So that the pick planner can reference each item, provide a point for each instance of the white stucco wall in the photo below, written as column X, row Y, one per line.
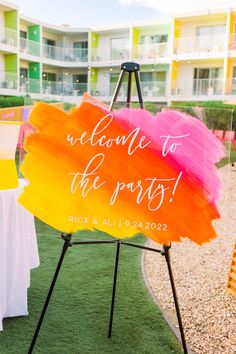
column 23, row 27
column 189, row 29
column 57, row 38
column 2, row 62
column 24, row 64
column 103, row 84
column 69, row 40
column 104, row 43
column 2, row 21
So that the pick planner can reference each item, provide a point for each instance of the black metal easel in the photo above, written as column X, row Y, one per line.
column 130, row 68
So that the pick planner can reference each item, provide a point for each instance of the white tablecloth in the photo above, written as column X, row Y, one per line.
column 18, row 253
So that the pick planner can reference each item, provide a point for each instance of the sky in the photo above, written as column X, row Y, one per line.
column 87, row 13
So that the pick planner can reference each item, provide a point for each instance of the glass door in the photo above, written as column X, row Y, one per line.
column 207, row 81
column 80, row 50
column 119, row 48
column 79, row 84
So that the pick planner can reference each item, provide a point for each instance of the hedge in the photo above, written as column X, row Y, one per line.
column 216, row 114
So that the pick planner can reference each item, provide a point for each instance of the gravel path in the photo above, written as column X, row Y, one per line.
column 208, row 311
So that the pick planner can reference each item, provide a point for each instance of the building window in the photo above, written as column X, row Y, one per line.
column 80, row 78
column 153, row 83
column 49, row 50
column 49, row 76
column 79, row 84
column 50, row 42
column 153, row 76
column 80, row 45
column 23, row 34
column 207, row 81
column 234, row 72
column 233, row 83
column 208, row 73
column 80, row 50
column 23, row 73
column 210, row 30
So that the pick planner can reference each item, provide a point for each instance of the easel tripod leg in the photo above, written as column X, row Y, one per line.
column 67, row 239
column 167, row 257
column 114, row 287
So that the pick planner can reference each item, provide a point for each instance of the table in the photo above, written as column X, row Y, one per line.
column 18, row 253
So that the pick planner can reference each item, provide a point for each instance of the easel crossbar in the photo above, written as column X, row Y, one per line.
column 131, row 244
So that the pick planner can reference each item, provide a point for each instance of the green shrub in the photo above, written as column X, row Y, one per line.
column 15, row 101
column 68, row 106
column 216, row 114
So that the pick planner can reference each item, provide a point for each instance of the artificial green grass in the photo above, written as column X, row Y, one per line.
column 228, row 159
column 78, row 316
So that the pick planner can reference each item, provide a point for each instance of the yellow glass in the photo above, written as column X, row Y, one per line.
column 9, row 132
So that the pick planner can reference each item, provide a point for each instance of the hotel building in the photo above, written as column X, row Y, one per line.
column 189, row 57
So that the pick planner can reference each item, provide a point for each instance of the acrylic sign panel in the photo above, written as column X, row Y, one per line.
column 123, row 172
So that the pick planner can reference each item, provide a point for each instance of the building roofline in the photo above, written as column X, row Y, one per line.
column 60, row 28
column 206, row 12
column 9, row 5
column 158, row 21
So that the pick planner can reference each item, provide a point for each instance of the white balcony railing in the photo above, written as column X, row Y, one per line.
column 149, row 89
column 200, row 45
column 65, row 54
column 8, row 36
column 53, row 52
column 75, row 54
column 120, row 53
column 29, row 47
column 200, row 87
column 115, row 54
column 64, row 89
column 29, row 85
column 151, row 51
column 8, row 80
column 153, row 89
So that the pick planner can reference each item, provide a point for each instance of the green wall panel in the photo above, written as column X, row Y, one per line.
column 11, row 19
column 11, row 63
column 34, row 70
column 34, row 77
column 136, row 33
column 94, row 40
column 34, row 33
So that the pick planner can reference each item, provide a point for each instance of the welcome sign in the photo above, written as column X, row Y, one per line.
column 122, row 172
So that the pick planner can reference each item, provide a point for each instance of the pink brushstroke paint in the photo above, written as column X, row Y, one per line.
column 197, row 155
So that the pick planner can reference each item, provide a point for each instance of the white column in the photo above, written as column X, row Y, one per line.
column 226, row 51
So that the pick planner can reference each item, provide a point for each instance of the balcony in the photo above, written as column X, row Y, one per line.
column 29, row 47
column 118, row 54
column 53, row 52
column 149, row 90
column 63, row 89
column 72, row 55
column 152, row 51
column 29, row 85
column 8, row 37
column 75, row 55
column 8, row 80
column 202, row 45
column 153, row 89
column 201, row 87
